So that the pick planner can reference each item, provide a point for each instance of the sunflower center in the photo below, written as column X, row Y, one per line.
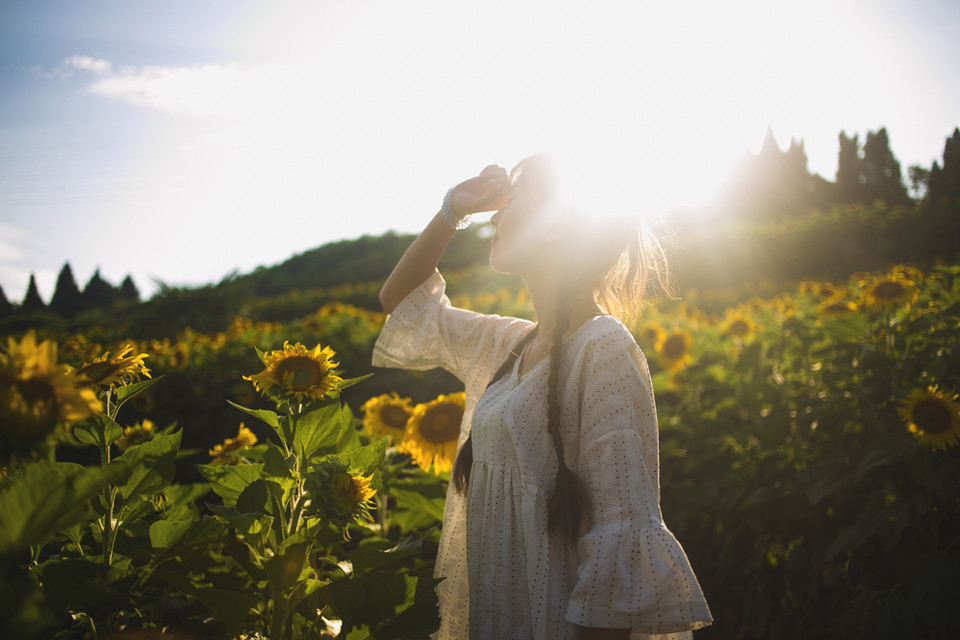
column 674, row 347
column 739, row 328
column 306, row 372
column 889, row 290
column 441, row 424
column 931, row 416
column 394, row 417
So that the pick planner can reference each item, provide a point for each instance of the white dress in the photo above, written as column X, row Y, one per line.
column 506, row 576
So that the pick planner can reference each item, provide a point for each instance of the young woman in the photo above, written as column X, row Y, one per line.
column 552, row 528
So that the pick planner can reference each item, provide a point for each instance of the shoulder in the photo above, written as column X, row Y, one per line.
column 606, row 334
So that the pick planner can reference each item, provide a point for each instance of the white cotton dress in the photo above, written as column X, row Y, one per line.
column 506, row 576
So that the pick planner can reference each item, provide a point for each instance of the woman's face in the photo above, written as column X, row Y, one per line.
column 514, row 243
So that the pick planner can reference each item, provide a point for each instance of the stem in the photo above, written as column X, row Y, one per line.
column 109, row 494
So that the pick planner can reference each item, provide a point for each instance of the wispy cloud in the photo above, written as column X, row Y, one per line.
column 85, row 64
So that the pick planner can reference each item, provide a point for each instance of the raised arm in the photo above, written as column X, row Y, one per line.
column 485, row 192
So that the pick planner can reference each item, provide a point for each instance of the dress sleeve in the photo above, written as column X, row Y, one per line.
column 425, row 332
column 632, row 572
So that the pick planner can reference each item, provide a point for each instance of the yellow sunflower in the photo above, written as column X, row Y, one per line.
column 137, row 434
column 738, row 325
column 224, row 453
column 432, row 432
column 933, row 417
column 387, row 415
column 888, row 292
column 652, row 334
column 354, row 490
column 674, row 351
column 36, row 393
column 836, row 307
column 120, row 370
column 300, row 374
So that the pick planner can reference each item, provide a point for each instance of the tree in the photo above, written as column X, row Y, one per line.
column 129, row 291
column 881, row 170
column 32, row 301
column 66, row 298
column 850, row 179
column 98, row 292
column 5, row 306
column 944, row 182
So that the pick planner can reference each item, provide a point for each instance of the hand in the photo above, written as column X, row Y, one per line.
column 488, row 191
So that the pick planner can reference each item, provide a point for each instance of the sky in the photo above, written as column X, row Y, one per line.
column 179, row 141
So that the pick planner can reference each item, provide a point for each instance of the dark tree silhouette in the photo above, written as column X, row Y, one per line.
column 128, row 290
column 66, row 298
column 98, row 293
column 32, row 301
column 944, row 182
column 850, row 178
column 6, row 307
column 881, row 170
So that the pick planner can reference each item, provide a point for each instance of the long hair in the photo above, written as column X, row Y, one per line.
column 613, row 262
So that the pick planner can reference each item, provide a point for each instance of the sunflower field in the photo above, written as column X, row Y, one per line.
column 238, row 484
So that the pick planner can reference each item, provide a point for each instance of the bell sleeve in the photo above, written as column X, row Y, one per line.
column 632, row 572
column 425, row 332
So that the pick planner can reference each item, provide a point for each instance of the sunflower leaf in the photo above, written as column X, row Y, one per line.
column 152, row 465
column 267, row 417
column 127, row 392
column 101, row 431
column 229, row 481
column 316, row 429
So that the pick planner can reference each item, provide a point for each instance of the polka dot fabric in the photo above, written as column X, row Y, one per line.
column 505, row 575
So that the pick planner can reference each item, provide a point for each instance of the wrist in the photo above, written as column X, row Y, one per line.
column 451, row 218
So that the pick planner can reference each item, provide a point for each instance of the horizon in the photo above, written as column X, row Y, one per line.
column 180, row 143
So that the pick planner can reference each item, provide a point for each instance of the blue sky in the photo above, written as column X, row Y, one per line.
column 178, row 141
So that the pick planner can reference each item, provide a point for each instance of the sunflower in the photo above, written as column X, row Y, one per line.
column 888, row 292
column 354, row 490
column 738, row 325
column 836, row 307
column 674, row 351
column 432, row 432
column 224, row 453
column 652, row 334
column 932, row 416
column 36, row 393
column 387, row 415
column 301, row 374
column 122, row 369
column 137, row 434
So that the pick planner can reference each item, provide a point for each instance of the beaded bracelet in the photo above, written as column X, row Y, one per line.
column 446, row 210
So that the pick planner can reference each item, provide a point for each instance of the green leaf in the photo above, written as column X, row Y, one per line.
column 43, row 499
column 231, row 607
column 152, row 465
column 166, row 534
column 285, row 569
column 851, row 328
column 367, row 460
column 229, row 481
column 316, row 429
column 129, row 391
column 100, row 431
column 254, row 498
column 376, row 553
column 268, row 417
column 349, row 432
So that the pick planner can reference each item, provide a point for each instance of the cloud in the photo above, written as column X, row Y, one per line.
column 86, row 64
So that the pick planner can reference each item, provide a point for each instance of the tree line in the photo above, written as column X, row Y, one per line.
column 68, row 299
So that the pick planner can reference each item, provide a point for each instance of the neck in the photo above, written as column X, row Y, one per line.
column 544, row 294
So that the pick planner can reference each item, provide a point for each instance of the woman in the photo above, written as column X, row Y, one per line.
column 552, row 528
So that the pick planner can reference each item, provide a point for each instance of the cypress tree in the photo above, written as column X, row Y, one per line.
column 944, row 182
column 98, row 292
column 881, row 170
column 66, row 298
column 850, row 178
column 128, row 290
column 6, row 308
column 32, row 301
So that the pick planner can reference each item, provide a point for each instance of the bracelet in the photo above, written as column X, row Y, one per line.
column 446, row 210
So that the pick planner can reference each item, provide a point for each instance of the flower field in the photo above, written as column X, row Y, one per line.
column 241, row 483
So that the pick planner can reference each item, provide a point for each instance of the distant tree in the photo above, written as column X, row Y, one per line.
column 32, row 301
column 98, row 293
column 881, row 170
column 944, row 182
column 128, row 290
column 6, row 308
column 919, row 180
column 850, row 177
column 66, row 298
